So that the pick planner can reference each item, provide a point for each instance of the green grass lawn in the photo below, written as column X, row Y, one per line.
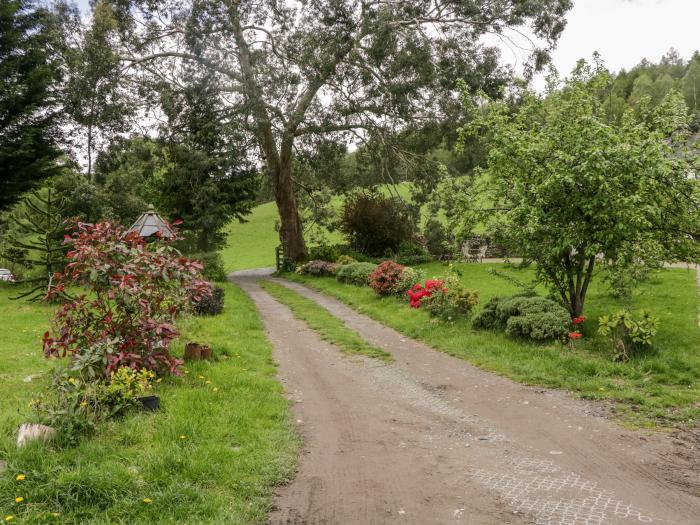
column 661, row 386
column 329, row 327
column 212, row 455
column 252, row 244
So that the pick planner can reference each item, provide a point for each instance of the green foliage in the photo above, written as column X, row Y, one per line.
column 355, row 273
column 324, row 252
column 450, row 301
column 318, row 269
column 213, row 265
column 375, row 225
column 344, row 260
column 572, row 190
column 127, row 385
column 646, row 85
column 409, row 276
column 627, row 333
column 211, row 305
column 539, row 326
column 528, row 317
column 30, row 71
column 436, row 238
column 37, row 241
column 487, row 318
column 95, row 96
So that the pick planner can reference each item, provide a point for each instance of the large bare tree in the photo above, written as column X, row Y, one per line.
column 292, row 70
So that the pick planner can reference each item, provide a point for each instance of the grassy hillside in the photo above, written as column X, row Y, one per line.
column 252, row 244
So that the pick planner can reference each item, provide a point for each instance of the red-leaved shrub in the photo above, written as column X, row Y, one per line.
column 133, row 292
column 385, row 279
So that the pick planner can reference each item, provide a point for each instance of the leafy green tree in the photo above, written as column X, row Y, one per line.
column 572, row 191
column 292, row 72
column 29, row 74
column 691, row 85
column 94, row 95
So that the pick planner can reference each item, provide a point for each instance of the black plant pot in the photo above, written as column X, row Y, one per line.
column 150, row 403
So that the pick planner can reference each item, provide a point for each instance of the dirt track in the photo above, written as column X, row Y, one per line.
column 432, row 439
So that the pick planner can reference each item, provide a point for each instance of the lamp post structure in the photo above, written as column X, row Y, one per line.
column 150, row 224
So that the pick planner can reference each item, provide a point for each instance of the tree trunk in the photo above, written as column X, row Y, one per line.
column 91, row 176
column 291, row 231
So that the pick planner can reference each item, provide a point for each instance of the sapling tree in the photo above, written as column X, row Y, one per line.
column 572, row 191
column 36, row 241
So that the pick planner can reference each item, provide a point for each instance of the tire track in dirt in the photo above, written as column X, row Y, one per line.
column 542, row 456
column 378, row 448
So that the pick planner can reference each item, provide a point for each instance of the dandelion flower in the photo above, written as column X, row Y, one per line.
column 55, row 514
column 208, row 382
column 215, row 389
column 183, row 437
column 159, row 380
column 20, row 477
column 147, row 500
column 200, row 377
column 19, row 499
column 9, row 518
column 83, row 404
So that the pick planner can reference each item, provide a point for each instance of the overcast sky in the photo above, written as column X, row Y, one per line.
column 626, row 31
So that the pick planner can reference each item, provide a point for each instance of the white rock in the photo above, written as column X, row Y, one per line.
column 34, row 431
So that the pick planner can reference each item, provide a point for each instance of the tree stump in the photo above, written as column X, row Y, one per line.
column 193, row 352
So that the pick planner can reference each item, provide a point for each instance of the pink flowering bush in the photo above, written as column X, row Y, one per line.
column 385, row 279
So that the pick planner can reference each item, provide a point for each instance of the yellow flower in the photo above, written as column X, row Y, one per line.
column 215, row 389
column 20, row 477
column 200, row 377
column 159, row 380
column 9, row 518
column 183, row 437
column 71, row 380
column 55, row 514
column 83, row 404
column 208, row 382
column 19, row 499
column 147, row 500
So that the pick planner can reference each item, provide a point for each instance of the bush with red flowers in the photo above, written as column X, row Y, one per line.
column 419, row 292
column 134, row 291
column 386, row 278
column 576, row 334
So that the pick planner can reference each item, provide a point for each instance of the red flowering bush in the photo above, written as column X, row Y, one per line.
column 386, row 278
column 444, row 298
column 420, row 292
column 576, row 321
column 133, row 293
